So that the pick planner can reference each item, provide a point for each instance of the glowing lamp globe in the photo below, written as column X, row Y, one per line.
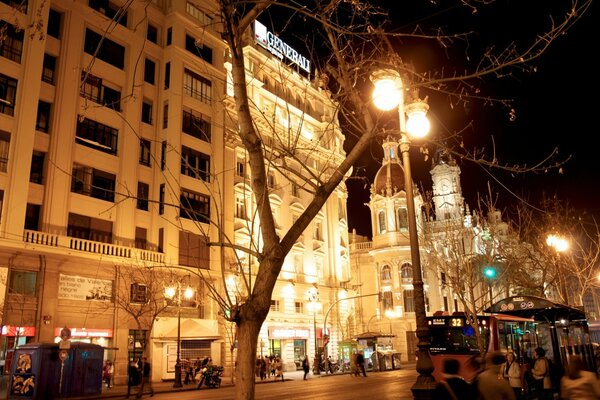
column 417, row 124
column 388, row 90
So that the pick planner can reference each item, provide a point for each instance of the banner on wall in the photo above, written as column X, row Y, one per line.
column 74, row 287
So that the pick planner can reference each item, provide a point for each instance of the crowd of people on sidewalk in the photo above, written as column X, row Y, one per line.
column 139, row 373
column 501, row 377
column 270, row 366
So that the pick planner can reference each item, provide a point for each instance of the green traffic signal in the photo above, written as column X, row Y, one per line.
column 489, row 272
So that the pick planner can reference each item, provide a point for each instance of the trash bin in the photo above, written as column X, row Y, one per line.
column 43, row 371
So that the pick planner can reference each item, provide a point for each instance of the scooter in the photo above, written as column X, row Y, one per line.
column 211, row 376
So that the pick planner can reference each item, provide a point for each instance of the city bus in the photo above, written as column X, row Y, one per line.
column 518, row 323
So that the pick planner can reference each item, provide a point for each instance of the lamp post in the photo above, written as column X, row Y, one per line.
column 560, row 245
column 314, row 304
column 174, row 293
column 389, row 94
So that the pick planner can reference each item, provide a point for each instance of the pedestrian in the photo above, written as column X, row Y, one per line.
column 360, row 362
column 353, row 364
column 490, row 385
column 278, row 369
column 186, row 367
column 541, row 375
column 305, row 366
column 453, row 386
column 511, row 371
column 107, row 372
column 133, row 376
column 146, row 382
column 579, row 384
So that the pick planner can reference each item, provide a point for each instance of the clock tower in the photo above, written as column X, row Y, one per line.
column 447, row 192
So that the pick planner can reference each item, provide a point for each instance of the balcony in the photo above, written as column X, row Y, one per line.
column 91, row 247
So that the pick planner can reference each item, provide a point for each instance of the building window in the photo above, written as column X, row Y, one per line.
column 402, row 219
column 270, row 181
column 406, row 273
column 109, row 51
column 169, row 36
column 294, row 190
column 409, row 300
column 93, row 88
column 194, row 206
column 197, row 125
column 147, row 112
column 141, row 241
column 388, row 300
column 195, row 164
column 204, row 19
column 54, row 22
column 4, row 150
column 8, row 94
column 88, row 228
column 97, row 136
column 342, row 209
column 274, row 305
column 36, row 174
column 240, row 207
column 1, row 202
column 145, row 154
column 43, row 117
column 110, row 10
column 22, row 282
column 193, row 250
column 149, row 71
column 143, row 190
column 163, row 155
column 138, row 293
column 386, row 273
column 197, row 86
column 49, row 69
column 161, row 201
column 93, row 182
column 299, row 306
column 152, row 34
column 167, row 75
column 11, row 43
column 240, row 169
column 165, row 115
column 318, row 230
column 201, row 50
column 137, row 340
column 32, row 217
column 19, row 5
column 381, row 221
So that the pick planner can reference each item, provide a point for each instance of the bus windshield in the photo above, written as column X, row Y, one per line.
column 456, row 335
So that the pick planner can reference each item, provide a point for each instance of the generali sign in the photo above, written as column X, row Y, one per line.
column 278, row 47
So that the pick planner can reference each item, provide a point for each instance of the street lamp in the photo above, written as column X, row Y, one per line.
column 560, row 245
column 315, row 305
column 174, row 292
column 389, row 94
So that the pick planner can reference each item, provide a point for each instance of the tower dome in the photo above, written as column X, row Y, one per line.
column 390, row 177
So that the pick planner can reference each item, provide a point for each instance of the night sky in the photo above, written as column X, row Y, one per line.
column 552, row 107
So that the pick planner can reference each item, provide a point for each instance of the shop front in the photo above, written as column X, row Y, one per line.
column 378, row 350
column 290, row 344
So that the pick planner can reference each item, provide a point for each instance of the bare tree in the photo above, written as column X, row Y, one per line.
column 354, row 37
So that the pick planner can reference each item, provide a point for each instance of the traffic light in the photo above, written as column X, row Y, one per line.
column 489, row 272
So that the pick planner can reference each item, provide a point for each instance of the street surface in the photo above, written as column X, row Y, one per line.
column 389, row 385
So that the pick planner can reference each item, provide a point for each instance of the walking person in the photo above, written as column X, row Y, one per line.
column 579, row 384
column 107, row 372
column 146, row 382
column 278, row 369
column 453, row 386
column 541, row 375
column 353, row 364
column 511, row 371
column 490, row 385
column 133, row 376
column 305, row 366
column 360, row 362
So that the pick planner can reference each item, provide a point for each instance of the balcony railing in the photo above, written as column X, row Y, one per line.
column 91, row 247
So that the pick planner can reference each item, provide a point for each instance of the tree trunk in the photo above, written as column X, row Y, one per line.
column 248, row 330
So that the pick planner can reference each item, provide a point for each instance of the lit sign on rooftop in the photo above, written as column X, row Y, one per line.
column 278, row 47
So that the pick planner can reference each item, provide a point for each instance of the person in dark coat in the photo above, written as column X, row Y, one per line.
column 453, row 387
column 146, row 385
column 133, row 376
column 305, row 366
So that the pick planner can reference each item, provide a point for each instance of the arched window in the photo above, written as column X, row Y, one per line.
column 402, row 219
column 406, row 273
column 386, row 273
column 381, row 219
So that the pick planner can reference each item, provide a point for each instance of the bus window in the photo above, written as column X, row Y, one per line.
column 456, row 337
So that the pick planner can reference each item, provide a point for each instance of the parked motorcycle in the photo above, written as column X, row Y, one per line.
column 211, row 376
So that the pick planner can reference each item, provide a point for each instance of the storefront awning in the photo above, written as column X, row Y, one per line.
column 196, row 329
